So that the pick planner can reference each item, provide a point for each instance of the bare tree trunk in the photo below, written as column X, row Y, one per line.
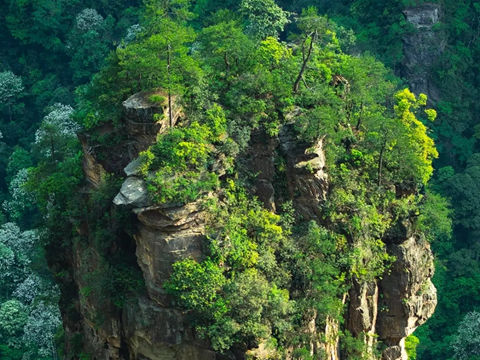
column 227, row 63
column 170, row 115
column 380, row 161
column 359, row 120
column 306, row 59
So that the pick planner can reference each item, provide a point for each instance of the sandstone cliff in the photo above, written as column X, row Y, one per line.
column 148, row 327
column 422, row 47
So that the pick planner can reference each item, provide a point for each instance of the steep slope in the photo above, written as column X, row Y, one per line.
column 148, row 327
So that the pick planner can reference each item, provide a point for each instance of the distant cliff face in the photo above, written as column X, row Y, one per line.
column 422, row 47
column 149, row 327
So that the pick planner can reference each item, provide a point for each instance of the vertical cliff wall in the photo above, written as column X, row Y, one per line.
column 422, row 47
column 148, row 326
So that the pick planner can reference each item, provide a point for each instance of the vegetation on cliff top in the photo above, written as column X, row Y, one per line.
column 267, row 276
column 238, row 72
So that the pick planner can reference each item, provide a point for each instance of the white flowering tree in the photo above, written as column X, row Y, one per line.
column 132, row 33
column 466, row 345
column 56, row 131
column 18, row 247
column 29, row 314
column 88, row 43
column 39, row 331
column 88, row 19
column 11, row 86
column 30, row 288
column 21, row 200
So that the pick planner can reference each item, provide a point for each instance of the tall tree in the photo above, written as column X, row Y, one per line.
column 161, row 59
column 264, row 18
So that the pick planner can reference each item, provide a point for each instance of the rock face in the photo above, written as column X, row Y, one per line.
column 166, row 235
column 306, row 175
column 262, row 163
column 94, row 172
column 133, row 192
column 396, row 305
column 409, row 296
column 146, row 328
column 149, row 328
column 422, row 48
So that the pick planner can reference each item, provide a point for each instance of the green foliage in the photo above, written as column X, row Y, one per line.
column 53, row 184
column 353, row 347
column 13, row 316
column 100, row 101
column 261, row 280
column 160, row 60
column 265, row 17
column 157, row 99
column 19, row 159
column 9, row 353
column 466, row 342
column 235, row 299
column 435, row 218
column 88, row 43
column 197, row 286
column 322, row 270
column 420, row 143
column 176, row 167
column 168, row 186
column 225, row 48
column 411, row 343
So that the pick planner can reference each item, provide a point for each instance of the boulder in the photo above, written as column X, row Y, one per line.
column 133, row 192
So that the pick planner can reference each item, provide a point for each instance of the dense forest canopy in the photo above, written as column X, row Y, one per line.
column 331, row 75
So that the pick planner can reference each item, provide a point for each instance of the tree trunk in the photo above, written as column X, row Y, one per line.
column 170, row 115
column 306, row 59
column 380, row 162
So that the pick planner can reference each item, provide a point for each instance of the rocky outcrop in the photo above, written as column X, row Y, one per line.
column 133, row 192
column 155, row 332
column 148, row 327
column 94, row 172
column 408, row 296
column 422, row 47
column 261, row 161
column 145, row 116
column 142, row 108
column 306, row 175
column 363, row 311
column 394, row 306
column 167, row 234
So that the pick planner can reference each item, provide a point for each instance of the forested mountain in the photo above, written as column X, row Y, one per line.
column 250, row 179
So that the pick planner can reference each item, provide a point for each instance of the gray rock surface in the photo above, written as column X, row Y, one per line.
column 133, row 168
column 408, row 296
column 133, row 192
column 145, row 119
column 422, row 48
column 424, row 16
column 394, row 306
